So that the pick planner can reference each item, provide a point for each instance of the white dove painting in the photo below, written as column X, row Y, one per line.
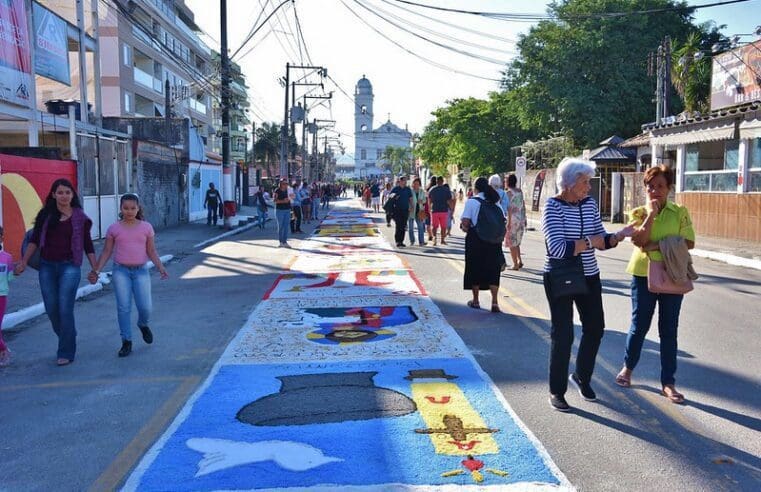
column 221, row 454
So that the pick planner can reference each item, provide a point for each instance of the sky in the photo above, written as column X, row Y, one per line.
column 406, row 88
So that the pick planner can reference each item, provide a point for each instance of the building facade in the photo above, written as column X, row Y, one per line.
column 369, row 143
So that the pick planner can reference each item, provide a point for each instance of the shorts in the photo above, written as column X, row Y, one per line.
column 439, row 220
column 375, row 200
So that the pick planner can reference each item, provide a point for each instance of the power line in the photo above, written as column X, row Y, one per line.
column 301, row 34
column 436, row 43
column 253, row 33
column 420, row 57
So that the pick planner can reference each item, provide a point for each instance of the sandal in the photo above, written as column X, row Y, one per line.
column 495, row 308
column 670, row 392
column 623, row 380
column 474, row 305
column 64, row 362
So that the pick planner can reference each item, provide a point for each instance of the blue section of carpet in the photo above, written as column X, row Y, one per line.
column 376, row 451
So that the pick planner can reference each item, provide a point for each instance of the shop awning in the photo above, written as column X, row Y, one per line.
column 750, row 129
column 724, row 132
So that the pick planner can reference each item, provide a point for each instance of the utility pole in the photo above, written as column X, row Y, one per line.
column 305, row 167
column 284, row 166
column 659, row 86
column 227, row 181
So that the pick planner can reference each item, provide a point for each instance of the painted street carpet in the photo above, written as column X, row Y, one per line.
column 346, row 379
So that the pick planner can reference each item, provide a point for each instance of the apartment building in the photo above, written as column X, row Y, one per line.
column 144, row 43
column 239, row 114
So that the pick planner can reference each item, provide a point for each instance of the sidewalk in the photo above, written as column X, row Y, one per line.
column 175, row 241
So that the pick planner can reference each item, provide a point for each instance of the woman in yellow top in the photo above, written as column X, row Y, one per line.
column 659, row 219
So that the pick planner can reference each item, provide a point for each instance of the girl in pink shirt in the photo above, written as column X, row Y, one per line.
column 6, row 275
column 131, row 242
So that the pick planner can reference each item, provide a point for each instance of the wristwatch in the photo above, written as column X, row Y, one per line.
column 588, row 241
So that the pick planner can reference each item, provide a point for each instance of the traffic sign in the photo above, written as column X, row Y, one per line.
column 520, row 166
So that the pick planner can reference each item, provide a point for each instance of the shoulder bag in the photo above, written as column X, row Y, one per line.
column 659, row 282
column 566, row 275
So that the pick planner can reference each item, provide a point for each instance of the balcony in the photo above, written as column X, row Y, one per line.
column 148, row 80
column 196, row 105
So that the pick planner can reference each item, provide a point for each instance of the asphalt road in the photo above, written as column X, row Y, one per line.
column 85, row 426
column 630, row 439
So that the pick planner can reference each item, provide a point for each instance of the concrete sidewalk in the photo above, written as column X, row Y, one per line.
column 173, row 241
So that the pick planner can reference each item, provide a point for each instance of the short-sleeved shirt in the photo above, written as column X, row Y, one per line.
column 471, row 209
column 130, row 242
column 404, row 195
column 440, row 196
column 296, row 201
column 212, row 196
column 673, row 220
column 6, row 272
column 282, row 195
column 375, row 190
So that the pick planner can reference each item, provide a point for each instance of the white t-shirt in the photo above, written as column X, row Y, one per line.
column 471, row 209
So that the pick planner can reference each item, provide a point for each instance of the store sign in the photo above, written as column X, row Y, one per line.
column 736, row 77
column 51, row 57
column 537, row 194
column 15, row 60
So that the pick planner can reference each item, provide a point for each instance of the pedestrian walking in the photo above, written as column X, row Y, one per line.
column 440, row 197
column 282, row 212
column 315, row 196
column 211, row 204
column 417, row 213
column 384, row 198
column 429, row 213
column 572, row 232
column 6, row 275
column 483, row 244
column 401, row 195
column 658, row 220
column 261, row 207
column 62, row 234
column 296, row 197
column 516, row 221
column 306, row 202
column 131, row 241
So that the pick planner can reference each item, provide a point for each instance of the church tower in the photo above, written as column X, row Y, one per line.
column 363, row 107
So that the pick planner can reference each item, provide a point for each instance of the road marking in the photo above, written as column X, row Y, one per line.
column 92, row 382
column 125, row 461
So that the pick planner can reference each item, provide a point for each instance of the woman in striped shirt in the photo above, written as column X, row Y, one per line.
column 572, row 231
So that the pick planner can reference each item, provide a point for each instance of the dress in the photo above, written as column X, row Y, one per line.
column 482, row 260
column 517, row 213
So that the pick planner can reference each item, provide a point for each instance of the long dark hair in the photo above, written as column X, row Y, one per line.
column 482, row 186
column 132, row 197
column 431, row 183
column 512, row 180
column 50, row 210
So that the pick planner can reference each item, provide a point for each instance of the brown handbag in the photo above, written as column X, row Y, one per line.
column 659, row 282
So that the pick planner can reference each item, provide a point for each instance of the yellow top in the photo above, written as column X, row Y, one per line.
column 673, row 220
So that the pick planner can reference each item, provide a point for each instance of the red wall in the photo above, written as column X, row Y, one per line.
column 26, row 182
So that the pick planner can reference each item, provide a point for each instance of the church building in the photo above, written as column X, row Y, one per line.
column 369, row 143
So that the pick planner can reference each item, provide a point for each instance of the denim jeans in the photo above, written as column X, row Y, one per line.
column 296, row 222
column 59, row 281
column 411, row 222
column 643, row 308
column 592, row 328
column 131, row 282
column 283, row 224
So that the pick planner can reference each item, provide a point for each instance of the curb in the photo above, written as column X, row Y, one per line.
column 25, row 314
column 233, row 232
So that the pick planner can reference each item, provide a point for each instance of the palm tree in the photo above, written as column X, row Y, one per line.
column 691, row 70
column 397, row 158
column 267, row 147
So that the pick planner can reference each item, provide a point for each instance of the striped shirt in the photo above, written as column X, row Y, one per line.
column 564, row 223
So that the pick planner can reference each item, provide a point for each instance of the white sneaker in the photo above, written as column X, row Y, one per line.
column 286, row 245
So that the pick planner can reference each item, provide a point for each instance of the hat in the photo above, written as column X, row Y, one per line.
column 402, row 177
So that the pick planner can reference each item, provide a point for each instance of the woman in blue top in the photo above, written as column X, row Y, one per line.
column 572, row 228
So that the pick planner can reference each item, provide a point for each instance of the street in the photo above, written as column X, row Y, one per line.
column 86, row 426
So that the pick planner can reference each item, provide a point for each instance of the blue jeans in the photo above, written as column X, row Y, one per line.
column 59, row 281
column 643, row 308
column 131, row 282
column 420, row 230
column 261, row 218
column 283, row 224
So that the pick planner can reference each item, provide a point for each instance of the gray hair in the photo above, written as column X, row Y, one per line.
column 495, row 181
column 570, row 169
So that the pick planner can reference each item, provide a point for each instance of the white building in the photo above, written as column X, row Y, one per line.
column 370, row 144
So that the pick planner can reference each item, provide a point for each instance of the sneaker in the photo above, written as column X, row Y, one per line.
column 286, row 245
column 126, row 348
column 147, row 335
column 558, row 403
column 399, row 245
column 5, row 357
column 585, row 389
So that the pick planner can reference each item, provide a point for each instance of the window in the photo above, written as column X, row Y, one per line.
column 711, row 166
column 127, row 54
column 127, row 102
column 754, row 164
column 364, row 109
column 363, row 154
column 363, row 128
column 379, row 154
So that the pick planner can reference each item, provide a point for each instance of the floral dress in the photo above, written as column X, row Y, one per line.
column 516, row 212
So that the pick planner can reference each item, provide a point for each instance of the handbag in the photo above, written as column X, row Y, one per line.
column 659, row 281
column 567, row 277
column 34, row 260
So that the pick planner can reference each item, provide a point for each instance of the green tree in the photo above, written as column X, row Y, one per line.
column 397, row 159
column 267, row 147
column 585, row 74
column 691, row 68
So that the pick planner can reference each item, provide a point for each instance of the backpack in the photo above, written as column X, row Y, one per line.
column 491, row 223
column 34, row 261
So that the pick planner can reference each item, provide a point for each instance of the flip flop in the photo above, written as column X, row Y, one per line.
column 623, row 381
column 64, row 362
column 495, row 308
column 474, row 305
column 673, row 395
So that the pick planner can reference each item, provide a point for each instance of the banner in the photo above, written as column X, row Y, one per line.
column 736, row 77
column 537, row 195
column 15, row 60
column 52, row 52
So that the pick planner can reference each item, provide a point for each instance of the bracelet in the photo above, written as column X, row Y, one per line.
column 588, row 242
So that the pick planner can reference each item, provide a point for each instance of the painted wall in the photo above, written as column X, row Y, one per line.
column 207, row 173
column 156, row 179
column 26, row 182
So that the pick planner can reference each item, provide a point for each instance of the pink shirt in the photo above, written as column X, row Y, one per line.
column 130, row 242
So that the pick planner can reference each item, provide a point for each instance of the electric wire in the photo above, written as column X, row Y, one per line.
column 253, row 33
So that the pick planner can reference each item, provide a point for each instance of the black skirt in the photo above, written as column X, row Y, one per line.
column 483, row 262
